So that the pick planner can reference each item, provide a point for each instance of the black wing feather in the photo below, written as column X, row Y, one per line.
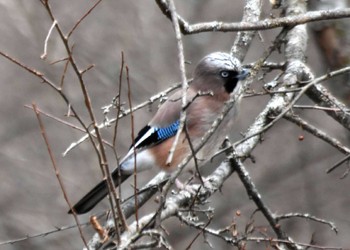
column 156, row 135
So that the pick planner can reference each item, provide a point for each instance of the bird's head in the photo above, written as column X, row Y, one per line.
column 219, row 72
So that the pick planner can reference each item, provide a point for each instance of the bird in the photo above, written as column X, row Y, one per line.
column 216, row 78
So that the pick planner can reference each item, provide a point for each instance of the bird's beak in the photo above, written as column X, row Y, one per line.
column 243, row 74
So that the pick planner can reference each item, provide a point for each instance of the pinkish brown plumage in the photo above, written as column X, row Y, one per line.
column 218, row 74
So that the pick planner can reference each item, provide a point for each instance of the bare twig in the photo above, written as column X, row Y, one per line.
column 43, row 56
column 64, row 73
column 157, row 241
column 71, row 125
column 199, row 233
column 118, row 102
column 82, row 18
column 44, row 234
column 309, row 217
column 100, row 151
column 316, row 107
column 183, row 103
column 53, row 161
column 59, row 60
column 134, row 151
column 217, row 26
column 183, row 79
column 345, row 159
column 87, row 69
column 118, row 195
column 194, row 155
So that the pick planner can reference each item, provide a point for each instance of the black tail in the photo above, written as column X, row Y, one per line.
column 93, row 197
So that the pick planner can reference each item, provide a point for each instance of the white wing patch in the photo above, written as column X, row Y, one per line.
column 145, row 136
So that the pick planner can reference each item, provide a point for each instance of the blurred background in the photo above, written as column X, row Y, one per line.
column 290, row 174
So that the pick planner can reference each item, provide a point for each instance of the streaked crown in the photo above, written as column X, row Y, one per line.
column 219, row 71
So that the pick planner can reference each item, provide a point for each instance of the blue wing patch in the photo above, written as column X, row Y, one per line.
column 167, row 132
column 152, row 135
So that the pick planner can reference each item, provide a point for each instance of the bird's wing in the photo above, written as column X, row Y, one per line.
column 149, row 136
column 164, row 124
column 169, row 111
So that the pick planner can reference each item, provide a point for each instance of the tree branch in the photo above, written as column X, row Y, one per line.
column 217, row 26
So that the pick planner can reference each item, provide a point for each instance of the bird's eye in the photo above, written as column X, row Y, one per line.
column 224, row 74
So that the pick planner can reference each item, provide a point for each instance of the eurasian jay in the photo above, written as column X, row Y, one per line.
column 216, row 79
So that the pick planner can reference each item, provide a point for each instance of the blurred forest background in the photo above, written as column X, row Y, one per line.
column 289, row 173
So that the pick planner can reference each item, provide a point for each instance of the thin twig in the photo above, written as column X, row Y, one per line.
column 53, row 161
column 59, row 60
column 345, row 159
column 87, row 68
column 82, row 18
column 199, row 233
column 43, row 56
column 64, row 73
column 194, row 155
column 134, row 151
column 309, row 217
column 183, row 80
column 119, row 194
column 71, row 125
column 183, row 103
column 57, row 119
column 44, row 234
column 100, row 151
column 316, row 107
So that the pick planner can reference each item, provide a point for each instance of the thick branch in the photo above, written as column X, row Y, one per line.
column 302, row 18
column 324, row 98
